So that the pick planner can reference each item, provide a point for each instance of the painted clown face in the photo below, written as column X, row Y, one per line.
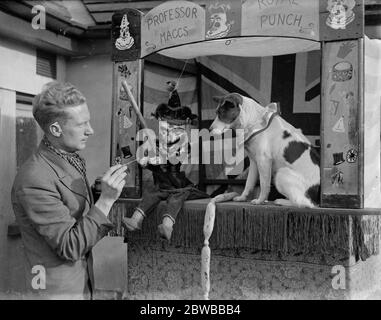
column 340, row 13
column 219, row 26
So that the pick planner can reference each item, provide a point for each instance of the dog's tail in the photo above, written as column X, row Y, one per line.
column 313, row 193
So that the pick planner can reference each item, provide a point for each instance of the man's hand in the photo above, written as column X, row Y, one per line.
column 112, row 184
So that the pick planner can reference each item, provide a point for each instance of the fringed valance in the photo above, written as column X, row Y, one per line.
column 267, row 228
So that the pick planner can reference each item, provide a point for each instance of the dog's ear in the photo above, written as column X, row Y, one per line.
column 218, row 99
column 273, row 106
column 236, row 98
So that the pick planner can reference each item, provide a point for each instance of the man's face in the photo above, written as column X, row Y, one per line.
column 76, row 130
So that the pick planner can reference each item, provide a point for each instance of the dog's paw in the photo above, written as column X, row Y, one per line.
column 283, row 202
column 240, row 198
column 257, row 201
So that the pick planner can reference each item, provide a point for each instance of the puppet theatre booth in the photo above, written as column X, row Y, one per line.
column 313, row 59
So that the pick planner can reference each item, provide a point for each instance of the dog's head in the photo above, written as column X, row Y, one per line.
column 228, row 111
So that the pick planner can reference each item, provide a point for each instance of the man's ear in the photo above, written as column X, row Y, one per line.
column 55, row 129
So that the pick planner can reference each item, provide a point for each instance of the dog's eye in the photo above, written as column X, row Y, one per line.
column 228, row 105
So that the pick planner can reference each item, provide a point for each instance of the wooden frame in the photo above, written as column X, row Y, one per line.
column 316, row 21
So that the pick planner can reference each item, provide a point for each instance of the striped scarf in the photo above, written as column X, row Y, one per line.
column 73, row 158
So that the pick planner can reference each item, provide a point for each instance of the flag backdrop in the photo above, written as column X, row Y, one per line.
column 293, row 81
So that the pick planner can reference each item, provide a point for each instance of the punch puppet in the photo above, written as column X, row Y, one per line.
column 172, row 186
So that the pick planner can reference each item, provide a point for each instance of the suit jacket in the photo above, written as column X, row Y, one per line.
column 59, row 224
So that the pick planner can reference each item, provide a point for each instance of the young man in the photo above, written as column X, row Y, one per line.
column 52, row 200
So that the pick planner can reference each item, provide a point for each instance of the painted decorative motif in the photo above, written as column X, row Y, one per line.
column 334, row 106
column 345, row 49
column 125, row 41
column 338, row 158
column 351, row 156
column 123, row 95
column 339, row 125
column 342, row 71
column 349, row 104
column 309, row 30
column 124, row 71
column 219, row 24
column 340, row 121
column 337, row 177
column 340, row 13
column 170, row 24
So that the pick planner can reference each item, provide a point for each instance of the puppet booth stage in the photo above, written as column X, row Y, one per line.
column 262, row 252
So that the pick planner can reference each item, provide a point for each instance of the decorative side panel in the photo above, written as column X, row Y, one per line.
column 341, row 125
column 125, row 124
column 341, row 19
column 126, row 35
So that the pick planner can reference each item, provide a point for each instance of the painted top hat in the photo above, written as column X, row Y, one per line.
column 338, row 158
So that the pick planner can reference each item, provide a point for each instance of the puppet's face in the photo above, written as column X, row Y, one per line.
column 173, row 140
column 170, row 133
column 171, row 85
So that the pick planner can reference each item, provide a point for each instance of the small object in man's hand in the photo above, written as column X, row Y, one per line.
column 98, row 184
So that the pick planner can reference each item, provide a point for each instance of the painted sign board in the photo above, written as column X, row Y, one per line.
column 125, row 35
column 176, row 23
column 288, row 18
column 171, row 24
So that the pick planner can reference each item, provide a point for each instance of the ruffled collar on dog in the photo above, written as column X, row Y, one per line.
column 261, row 126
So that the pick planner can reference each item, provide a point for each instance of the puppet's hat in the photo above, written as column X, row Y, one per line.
column 179, row 113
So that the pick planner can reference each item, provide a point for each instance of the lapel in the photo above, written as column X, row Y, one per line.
column 89, row 192
column 67, row 174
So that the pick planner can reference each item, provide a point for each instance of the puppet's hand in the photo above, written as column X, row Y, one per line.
column 143, row 161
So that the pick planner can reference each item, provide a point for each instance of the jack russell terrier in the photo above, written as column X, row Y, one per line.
column 275, row 148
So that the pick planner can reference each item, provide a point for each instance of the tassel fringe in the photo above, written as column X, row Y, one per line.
column 287, row 230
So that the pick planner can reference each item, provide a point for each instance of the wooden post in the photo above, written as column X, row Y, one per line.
column 125, row 124
column 342, row 167
column 128, row 68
